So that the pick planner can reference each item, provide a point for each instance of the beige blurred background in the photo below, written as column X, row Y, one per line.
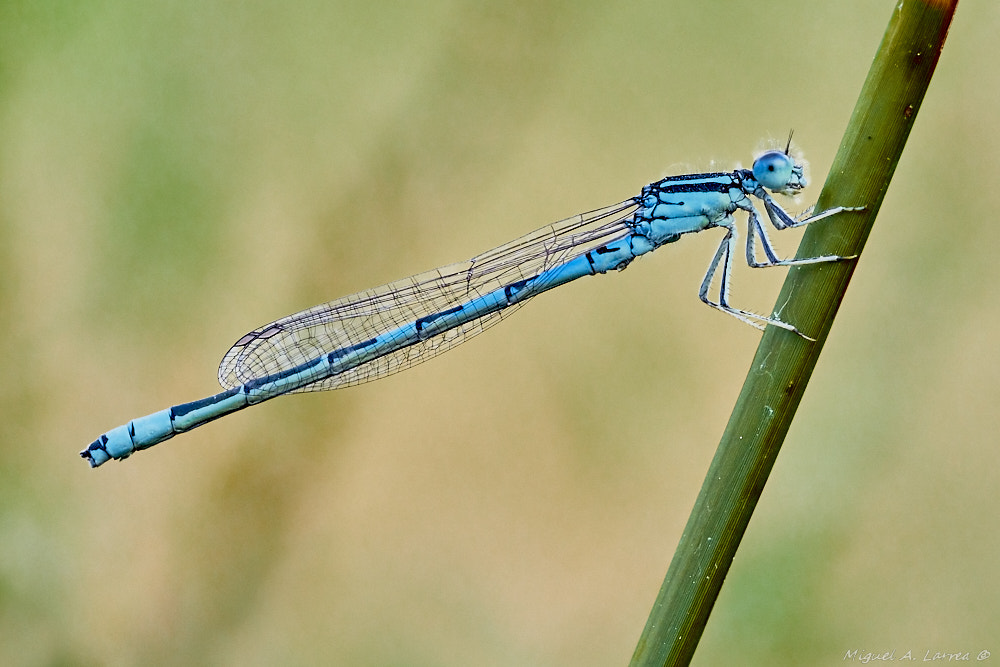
column 173, row 175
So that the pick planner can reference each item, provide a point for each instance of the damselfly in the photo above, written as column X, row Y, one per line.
column 374, row 333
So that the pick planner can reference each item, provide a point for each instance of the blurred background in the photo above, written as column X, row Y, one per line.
column 173, row 175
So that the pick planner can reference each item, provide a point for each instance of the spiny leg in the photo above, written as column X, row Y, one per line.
column 809, row 217
column 724, row 254
column 781, row 220
column 756, row 228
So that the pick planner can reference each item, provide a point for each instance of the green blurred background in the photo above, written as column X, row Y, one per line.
column 173, row 175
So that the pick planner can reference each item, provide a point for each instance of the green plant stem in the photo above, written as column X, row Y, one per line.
column 810, row 298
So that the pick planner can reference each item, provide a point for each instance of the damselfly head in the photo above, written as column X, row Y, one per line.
column 777, row 171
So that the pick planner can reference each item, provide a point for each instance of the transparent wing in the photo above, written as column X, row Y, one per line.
column 304, row 336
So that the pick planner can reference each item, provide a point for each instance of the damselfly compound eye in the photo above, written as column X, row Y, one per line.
column 774, row 170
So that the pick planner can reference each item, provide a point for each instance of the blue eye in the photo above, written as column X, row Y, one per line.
column 775, row 171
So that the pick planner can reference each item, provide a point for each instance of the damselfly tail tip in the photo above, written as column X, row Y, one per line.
column 95, row 455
